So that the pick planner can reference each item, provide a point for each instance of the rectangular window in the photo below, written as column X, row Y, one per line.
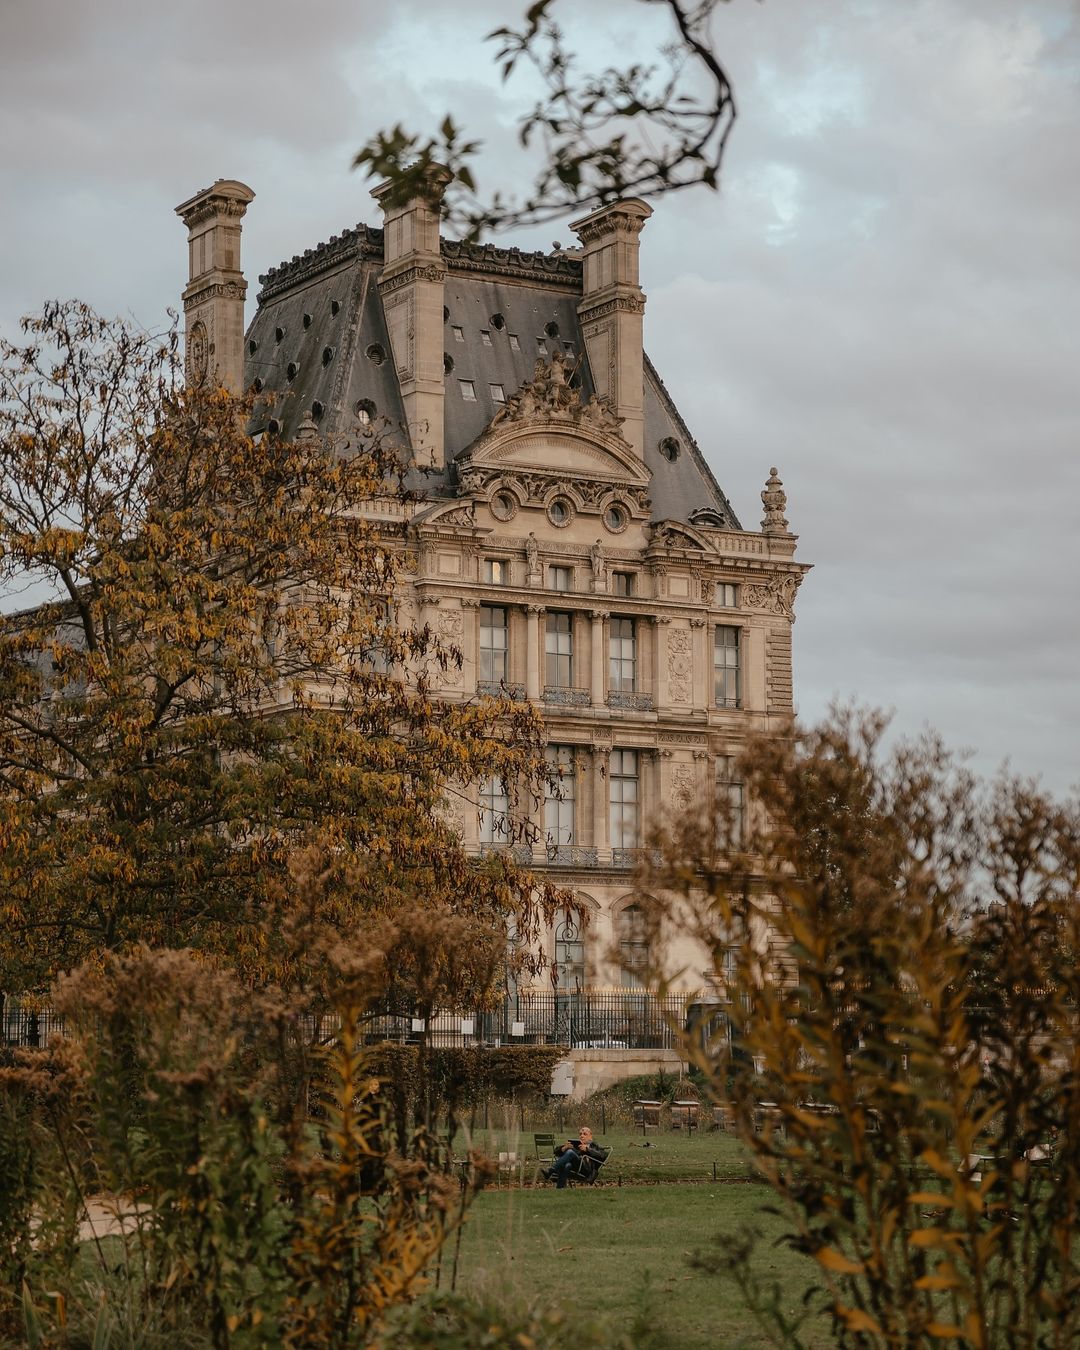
column 569, row 347
column 459, row 333
column 635, row 956
column 497, row 570
column 726, row 673
column 560, row 579
column 468, row 390
column 559, row 652
column 560, row 802
column 541, row 346
column 622, row 583
column 622, row 650
column 494, row 826
column 485, row 337
column 727, row 594
column 624, row 799
column 730, row 803
column 493, row 644
column 515, row 345
column 498, row 394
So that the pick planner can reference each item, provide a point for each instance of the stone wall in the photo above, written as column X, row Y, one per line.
column 594, row 1070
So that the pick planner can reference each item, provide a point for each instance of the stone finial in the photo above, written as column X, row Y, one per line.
column 775, row 499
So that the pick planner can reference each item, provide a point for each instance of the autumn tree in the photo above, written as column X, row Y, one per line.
column 206, row 676
column 898, row 948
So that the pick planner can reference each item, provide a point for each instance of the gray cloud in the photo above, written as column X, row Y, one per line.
column 882, row 300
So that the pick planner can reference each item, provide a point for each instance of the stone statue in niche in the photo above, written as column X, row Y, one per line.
column 532, row 559
column 599, row 570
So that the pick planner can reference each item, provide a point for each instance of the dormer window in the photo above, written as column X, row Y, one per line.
column 485, row 337
column 498, row 394
column 541, row 346
column 458, row 332
column 468, row 390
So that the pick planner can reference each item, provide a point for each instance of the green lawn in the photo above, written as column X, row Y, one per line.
column 606, row 1252
column 667, row 1156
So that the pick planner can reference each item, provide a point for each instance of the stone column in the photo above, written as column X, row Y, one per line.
column 596, row 672
column 214, row 296
column 702, row 664
column 660, row 624
column 470, row 644
column 601, row 821
column 411, row 287
column 752, row 655
column 534, row 653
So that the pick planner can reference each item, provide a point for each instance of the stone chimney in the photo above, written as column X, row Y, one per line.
column 611, row 310
column 214, row 296
column 412, row 288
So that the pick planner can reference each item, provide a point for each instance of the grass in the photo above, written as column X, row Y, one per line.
column 621, row 1254
column 669, row 1156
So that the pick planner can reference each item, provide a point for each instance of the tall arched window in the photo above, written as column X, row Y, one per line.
column 634, row 952
column 569, row 957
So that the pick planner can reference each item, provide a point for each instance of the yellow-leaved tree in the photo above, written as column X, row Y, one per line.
column 209, row 678
column 898, row 1045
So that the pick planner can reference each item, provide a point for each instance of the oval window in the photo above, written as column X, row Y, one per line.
column 616, row 517
column 560, row 511
column 503, row 506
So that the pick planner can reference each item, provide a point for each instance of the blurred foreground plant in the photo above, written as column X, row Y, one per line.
column 897, row 951
column 240, row 1218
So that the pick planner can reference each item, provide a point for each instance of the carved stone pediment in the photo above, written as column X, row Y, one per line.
column 546, row 443
column 668, row 534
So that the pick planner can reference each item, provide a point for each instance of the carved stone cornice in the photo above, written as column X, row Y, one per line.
column 534, row 486
column 618, row 304
column 365, row 242
column 512, row 262
column 616, row 220
column 409, row 276
column 216, row 290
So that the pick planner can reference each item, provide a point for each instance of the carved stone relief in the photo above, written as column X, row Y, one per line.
column 549, row 395
column 680, row 664
column 682, row 788
column 775, row 596
column 451, row 631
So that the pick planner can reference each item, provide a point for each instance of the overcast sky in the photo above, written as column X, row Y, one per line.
column 884, row 299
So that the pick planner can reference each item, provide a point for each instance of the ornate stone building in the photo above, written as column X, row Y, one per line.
column 571, row 540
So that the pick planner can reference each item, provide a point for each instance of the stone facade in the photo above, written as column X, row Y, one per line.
column 569, row 539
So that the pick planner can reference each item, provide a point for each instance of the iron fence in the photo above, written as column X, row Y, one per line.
column 29, row 1026
column 629, row 1019
column 609, row 1019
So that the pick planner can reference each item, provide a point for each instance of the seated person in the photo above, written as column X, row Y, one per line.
column 570, row 1155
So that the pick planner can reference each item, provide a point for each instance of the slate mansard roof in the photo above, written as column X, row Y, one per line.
column 319, row 343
